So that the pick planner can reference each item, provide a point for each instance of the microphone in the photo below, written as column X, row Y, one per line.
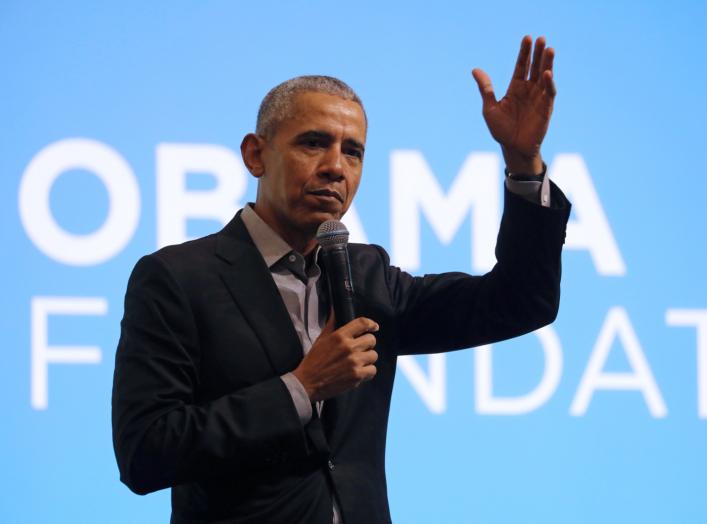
column 333, row 237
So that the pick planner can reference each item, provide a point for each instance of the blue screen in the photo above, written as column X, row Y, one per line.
column 121, row 125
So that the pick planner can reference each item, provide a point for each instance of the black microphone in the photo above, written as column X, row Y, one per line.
column 333, row 237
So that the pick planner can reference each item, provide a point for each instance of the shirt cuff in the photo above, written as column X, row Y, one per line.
column 536, row 191
column 299, row 397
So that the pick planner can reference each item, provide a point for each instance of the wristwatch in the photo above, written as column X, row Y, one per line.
column 524, row 177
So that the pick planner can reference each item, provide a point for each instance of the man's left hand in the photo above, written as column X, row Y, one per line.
column 520, row 119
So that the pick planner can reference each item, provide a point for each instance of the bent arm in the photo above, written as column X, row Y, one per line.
column 164, row 434
column 520, row 294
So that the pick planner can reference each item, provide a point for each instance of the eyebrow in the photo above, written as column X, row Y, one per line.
column 356, row 144
column 323, row 135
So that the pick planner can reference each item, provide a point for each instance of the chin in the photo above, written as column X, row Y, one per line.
column 334, row 213
column 323, row 217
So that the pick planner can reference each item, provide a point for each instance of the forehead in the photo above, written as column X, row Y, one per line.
column 311, row 110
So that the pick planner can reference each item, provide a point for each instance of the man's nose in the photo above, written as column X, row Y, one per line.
column 332, row 165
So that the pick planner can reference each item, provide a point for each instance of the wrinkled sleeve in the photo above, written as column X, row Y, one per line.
column 163, row 434
column 448, row 311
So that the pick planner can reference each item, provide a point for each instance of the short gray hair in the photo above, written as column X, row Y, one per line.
column 277, row 104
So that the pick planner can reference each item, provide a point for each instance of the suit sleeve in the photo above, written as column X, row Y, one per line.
column 163, row 434
column 520, row 294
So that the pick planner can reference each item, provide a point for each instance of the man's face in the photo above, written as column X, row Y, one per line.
column 312, row 164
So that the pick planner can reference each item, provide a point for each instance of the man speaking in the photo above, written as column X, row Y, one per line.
column 234, row 384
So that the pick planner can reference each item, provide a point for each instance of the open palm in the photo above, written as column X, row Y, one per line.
column 520, row 119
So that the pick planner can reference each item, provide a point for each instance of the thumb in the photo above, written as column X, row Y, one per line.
column 330, row 325
column 485, row 87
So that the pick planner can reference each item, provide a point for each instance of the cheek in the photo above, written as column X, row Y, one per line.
column 353, row 186
column 285, row 185
column 296, row 176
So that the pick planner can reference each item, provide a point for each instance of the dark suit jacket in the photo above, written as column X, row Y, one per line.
column 198, row 404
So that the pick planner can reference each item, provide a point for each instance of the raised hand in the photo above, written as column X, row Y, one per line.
column 520, row 119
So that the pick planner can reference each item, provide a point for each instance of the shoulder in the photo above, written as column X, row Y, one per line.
column 187, row 252
column 204, row 252
column 368, row 257
column 179, row 264
column 371, row 268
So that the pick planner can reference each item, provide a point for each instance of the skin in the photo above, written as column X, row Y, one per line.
column 519, row 121
column 310, row 169
column 308, row 172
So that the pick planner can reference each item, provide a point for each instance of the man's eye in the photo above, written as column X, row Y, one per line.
column 313, row 142
column 356, row 153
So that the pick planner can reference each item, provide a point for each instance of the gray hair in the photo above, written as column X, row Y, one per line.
column 277, row 104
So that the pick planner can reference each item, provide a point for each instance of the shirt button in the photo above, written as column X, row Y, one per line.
column 292, row 258
column 331, row 465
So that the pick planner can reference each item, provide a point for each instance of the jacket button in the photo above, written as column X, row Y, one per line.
column 331, row 465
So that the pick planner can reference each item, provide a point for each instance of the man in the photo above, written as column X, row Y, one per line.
column 232, row 386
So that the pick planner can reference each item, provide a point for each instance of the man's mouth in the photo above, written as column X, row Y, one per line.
column 328, row 193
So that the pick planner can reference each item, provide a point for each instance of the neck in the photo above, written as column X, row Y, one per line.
column 304, row 246
column 304, row 242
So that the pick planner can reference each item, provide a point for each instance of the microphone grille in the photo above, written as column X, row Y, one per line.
column 332, row 233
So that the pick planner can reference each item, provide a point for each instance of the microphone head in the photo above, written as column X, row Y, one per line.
column 331, row 234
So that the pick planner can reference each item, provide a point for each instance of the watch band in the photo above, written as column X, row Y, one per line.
column 524, row 177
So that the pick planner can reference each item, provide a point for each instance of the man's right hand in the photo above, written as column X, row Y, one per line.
column 339, row 360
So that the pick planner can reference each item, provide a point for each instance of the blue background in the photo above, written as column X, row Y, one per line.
column 632, row 80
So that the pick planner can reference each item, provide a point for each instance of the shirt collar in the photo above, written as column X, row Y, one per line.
column 270, row 245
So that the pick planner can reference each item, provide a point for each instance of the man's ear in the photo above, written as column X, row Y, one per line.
column 252, row 152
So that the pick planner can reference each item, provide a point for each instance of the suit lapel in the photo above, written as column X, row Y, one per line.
column 250, row 283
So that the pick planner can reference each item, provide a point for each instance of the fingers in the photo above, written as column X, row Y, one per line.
column 369, row 357
column 361, row 355
column 549, row 84
column 340, row 359
column 523, row 60
column 548, row 58
column 485, row 87
column 359, row 326
column 362, row 329
column 538, row 59
column 364, row 342
column 543, row 58
column 368, row 372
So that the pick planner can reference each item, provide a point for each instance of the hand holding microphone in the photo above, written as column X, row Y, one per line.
column 342, row 356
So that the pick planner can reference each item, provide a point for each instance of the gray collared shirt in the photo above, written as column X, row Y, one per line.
column 297, row 285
